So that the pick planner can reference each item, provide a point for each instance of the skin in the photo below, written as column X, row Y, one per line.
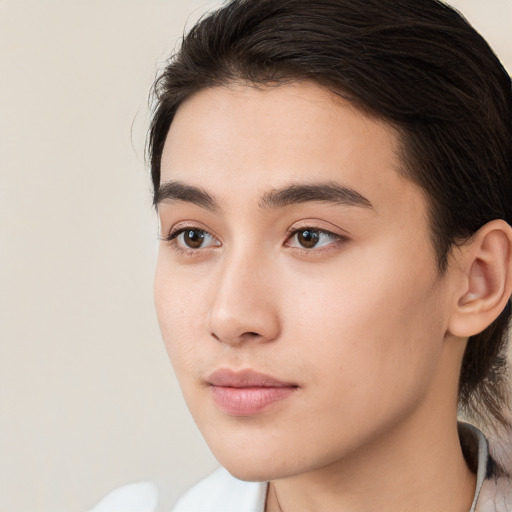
column 359, row 323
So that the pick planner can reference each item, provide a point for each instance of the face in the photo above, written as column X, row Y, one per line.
column 296, row 287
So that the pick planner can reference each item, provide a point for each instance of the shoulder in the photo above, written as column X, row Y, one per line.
column 221, row 492
column 494, row 489
column 496, row 495
column 136, row 497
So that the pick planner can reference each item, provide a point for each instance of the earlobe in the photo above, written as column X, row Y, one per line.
column 486, row 261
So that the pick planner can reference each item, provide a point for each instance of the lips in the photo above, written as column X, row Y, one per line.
column 247, row 392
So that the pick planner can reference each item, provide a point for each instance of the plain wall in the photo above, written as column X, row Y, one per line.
column 88, row 400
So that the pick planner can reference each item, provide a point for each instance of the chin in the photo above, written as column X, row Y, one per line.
column 262, row 466
column 254, row 473
column 246, row 465
column 249, row 476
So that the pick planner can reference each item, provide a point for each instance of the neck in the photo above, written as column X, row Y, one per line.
column 411, row 468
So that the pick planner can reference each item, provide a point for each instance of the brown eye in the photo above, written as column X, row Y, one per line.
column 313, row 238
column 193, row 238
column 308, row 238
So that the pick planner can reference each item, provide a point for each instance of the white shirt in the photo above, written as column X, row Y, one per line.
column 221, row 492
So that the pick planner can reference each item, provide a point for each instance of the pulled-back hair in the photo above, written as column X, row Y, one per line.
column 416, row 64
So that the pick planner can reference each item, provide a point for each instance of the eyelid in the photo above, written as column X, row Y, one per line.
column 177, row 229
column 337, row 235
column 317, row 225
column 334, row 236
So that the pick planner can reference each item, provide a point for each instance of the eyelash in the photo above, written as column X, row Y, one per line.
column 336, row 239
column 172, row 239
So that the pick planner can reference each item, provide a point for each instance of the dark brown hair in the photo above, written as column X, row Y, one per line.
column 416, row 64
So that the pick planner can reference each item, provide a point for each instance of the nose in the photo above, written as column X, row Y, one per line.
column 244, row 308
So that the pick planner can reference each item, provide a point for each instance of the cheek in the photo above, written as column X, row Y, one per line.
column 369, row 323
column 180, row 313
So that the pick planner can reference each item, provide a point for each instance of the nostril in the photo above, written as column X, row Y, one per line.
column 237, row 339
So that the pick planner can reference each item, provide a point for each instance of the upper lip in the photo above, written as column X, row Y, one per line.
column 245, row 379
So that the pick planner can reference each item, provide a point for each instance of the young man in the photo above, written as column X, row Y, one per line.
column 333, row 180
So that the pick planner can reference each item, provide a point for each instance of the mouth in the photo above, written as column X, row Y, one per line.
column 247, row 392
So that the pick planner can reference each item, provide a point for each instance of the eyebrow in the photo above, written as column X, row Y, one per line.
column 177, row 191
column 328, row 192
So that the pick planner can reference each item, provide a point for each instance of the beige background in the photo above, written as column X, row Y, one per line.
column 87, row 396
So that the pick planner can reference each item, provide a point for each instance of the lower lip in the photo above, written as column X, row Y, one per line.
column 248, row 401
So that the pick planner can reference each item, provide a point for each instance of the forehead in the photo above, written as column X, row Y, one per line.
column 240, row 141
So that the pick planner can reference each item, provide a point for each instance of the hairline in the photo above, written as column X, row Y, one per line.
column 404, row 156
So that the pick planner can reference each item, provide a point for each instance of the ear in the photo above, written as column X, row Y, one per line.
column 486, row 285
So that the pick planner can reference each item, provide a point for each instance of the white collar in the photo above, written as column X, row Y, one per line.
column 221, row 492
